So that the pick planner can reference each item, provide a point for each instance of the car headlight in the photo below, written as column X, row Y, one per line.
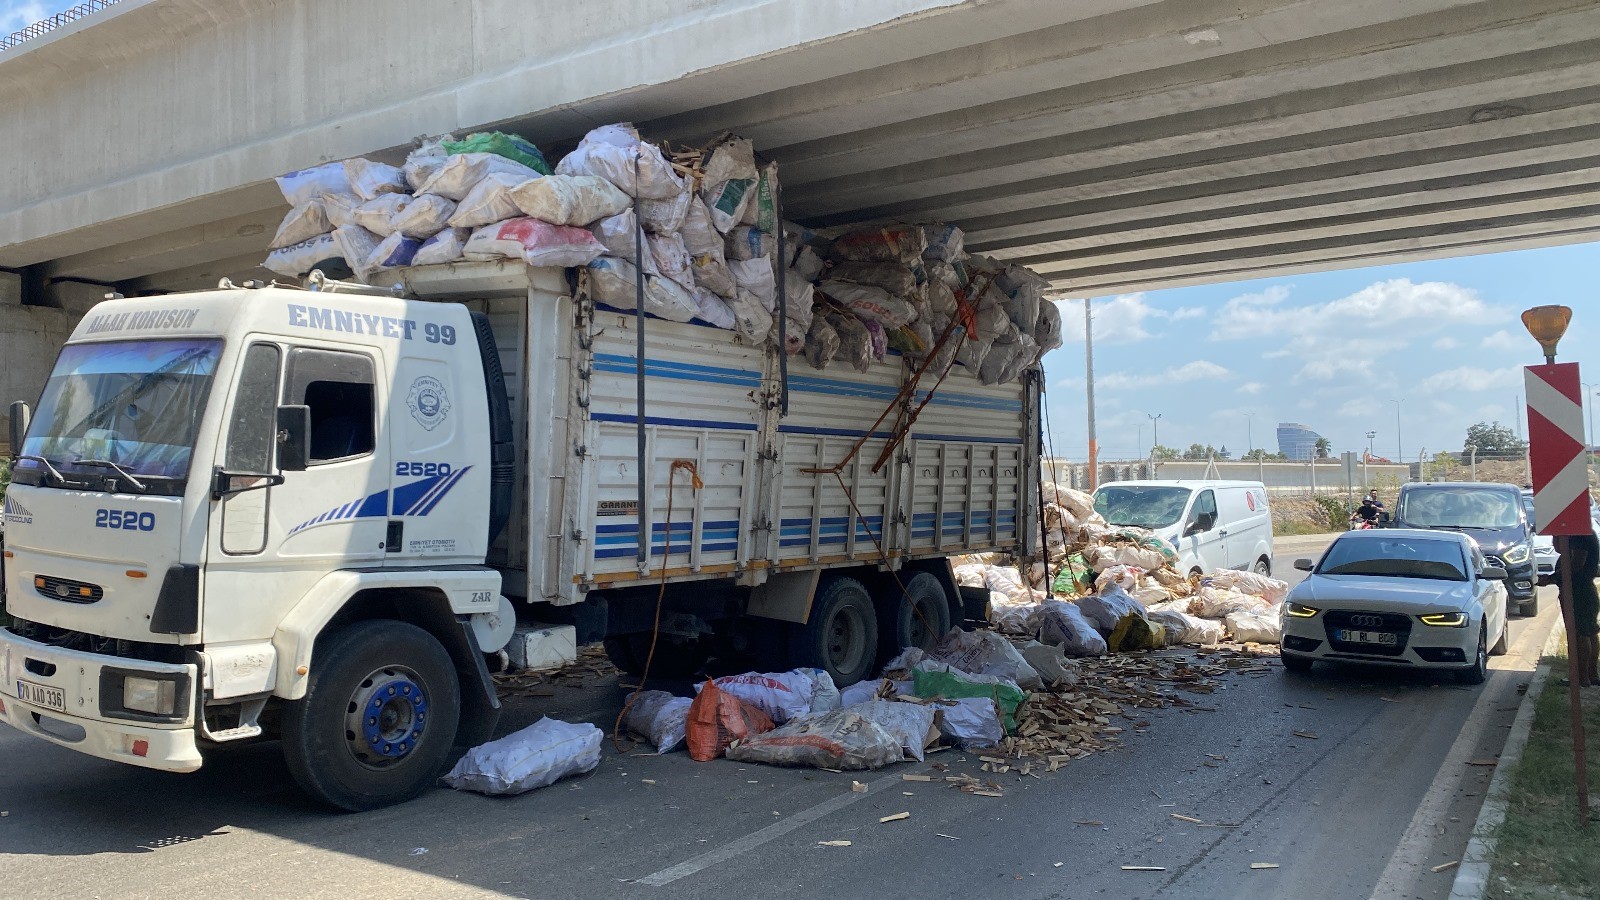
column 1300, row 610
column 158, row 697
column 1445, row 620
column 1518, row 554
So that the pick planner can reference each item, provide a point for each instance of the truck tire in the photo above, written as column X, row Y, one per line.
column 841, row 635
column 378, row 719
column 674, row 659
column 917, row 617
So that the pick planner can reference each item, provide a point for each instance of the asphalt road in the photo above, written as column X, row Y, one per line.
column 1382, row 790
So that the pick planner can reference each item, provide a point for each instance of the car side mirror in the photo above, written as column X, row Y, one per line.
column 1494, row 573
column 21, row 415
column 1304, row 565
column 294, row 438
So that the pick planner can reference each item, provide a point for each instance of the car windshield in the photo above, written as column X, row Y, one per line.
column 1146, row 506
column 1464, row 507
column 121, row 408
column 1396, row 557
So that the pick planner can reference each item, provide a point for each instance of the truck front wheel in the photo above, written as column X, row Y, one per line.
column 841, row 634
column 378, row 719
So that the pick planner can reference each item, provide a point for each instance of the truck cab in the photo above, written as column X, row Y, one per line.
column 217, row 488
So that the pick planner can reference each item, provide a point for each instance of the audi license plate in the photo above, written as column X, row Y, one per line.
column 1369, row 637
column 42, row 695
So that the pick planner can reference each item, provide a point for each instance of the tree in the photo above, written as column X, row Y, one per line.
column 1163, row 453
column 1324, row 448
column 1199, row 453
column 1491, row 439
column 1258, row 453
column 1222, row 452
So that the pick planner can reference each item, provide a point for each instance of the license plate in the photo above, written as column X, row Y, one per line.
column 1369, row 637
column 42, row 695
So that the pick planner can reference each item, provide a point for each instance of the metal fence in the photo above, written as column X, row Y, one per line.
column 1326, row 476
column 45, row 26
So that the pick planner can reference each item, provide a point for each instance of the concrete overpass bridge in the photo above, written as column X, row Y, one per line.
column 1113, row 145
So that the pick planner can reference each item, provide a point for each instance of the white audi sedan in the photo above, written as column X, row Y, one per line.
column 1398, row 597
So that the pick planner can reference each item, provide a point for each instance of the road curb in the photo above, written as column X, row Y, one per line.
column 1472, row 877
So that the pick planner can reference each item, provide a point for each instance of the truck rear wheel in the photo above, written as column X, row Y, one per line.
column 841, row 636
column 674, row 659
column 378, row 719
column 918, row 617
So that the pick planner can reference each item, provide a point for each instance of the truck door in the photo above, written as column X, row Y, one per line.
column 330, row 516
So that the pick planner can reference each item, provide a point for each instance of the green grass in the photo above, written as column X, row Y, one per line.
column 1540, row 852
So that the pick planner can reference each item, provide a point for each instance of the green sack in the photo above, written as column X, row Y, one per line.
column 1135, row 632
column 766, row 207
column 955, row 686
column 1075, row 578
column 501, row 144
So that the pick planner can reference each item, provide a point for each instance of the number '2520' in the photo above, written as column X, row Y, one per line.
column 125, row 519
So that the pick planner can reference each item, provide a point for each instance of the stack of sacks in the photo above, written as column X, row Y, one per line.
column 710, row 241
column 904, row 284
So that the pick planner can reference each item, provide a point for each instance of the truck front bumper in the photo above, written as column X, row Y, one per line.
column 82, row 725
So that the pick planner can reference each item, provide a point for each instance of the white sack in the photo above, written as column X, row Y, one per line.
column 713, row 309
column 910, row 723
column 1254, row 627
column 296, row 260
column 377, row 215
column 781, row 695
column 341, row 208
column 302, row 224
column 806, row 263
column 752, row 318
column 537, row 756
column 461, row 172
column 946, row 243
column 425, row 216
column 616, row 153
column 659, row 718
column 446, row 246
column 670, row 258
column 666, row 216
column 569, row 199
column 1010, row 616
column 1063, row 624
column 425, row 161
column 1271, row 590
column 755, row 276
column 712, row 274
column 538, row 243
column 356, row 245
column 748, row 242
column 305, row 185
column 370, row 179
column 393, row 252
column 490, row 200
column 699, row 235
column 985, row 653
column 617, row 233
column 971, row 722
column 1106, row 609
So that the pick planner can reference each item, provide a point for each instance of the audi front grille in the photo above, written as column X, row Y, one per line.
column 1348, row 620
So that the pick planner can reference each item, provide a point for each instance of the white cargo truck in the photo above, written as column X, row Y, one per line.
column 313, row 514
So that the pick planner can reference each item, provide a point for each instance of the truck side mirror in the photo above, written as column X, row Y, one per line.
column 294, row 438
column 20, row 416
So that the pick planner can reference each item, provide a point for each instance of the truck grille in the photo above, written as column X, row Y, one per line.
column 67, row 589
column 1355, row 620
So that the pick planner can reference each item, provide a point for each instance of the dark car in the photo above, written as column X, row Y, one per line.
column 1491, row 514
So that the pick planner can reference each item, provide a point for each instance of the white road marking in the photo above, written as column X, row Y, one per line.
column 757, row 838
column 1411, row 853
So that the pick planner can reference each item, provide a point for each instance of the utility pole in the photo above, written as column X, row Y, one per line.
column 1400, row 444
column 1249, row 432
column 1155, row 432
column 1088, row 365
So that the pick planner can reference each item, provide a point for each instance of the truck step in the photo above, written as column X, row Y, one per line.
column 234, row 734
column 537, row 646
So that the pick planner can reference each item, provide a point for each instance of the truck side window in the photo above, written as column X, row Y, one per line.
column 253, row 428
column 339, row 388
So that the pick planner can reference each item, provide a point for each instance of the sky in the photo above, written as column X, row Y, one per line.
column 1224, row 363
column 16, row 15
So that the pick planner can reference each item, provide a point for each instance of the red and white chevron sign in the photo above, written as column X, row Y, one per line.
column 1557, row 453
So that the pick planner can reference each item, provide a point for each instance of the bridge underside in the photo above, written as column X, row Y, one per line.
column 1113, row 145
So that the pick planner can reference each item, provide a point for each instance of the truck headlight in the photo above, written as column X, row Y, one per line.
column 1300, row 610
column 1445, row 620
column 1518, row 555
column 156, row 696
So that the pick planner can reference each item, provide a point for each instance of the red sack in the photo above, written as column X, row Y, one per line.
column 717, row 719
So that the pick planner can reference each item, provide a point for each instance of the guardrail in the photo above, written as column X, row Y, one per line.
column 45, row 26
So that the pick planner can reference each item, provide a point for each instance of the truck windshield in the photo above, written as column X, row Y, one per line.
column 1146, row 506
column 133, row 406
column 1464, row 507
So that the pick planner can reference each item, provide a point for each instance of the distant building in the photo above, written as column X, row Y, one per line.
column 1296, row 441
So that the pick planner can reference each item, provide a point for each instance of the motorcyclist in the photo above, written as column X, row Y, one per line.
column 1368, row 511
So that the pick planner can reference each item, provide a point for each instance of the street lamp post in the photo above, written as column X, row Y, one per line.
column 1366, row 464
column 1155, row 432
column 1400, row 445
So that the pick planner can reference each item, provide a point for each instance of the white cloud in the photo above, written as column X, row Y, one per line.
column 1188, row 312
column 1198, row 370
column 1120, row 320
column 1446, row 343
column 1361, row 406
column 1252, row 388
column 1471, row 378
column 1505, row 340
column 15, row 16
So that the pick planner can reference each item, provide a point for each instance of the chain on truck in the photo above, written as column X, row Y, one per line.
column 315, row 514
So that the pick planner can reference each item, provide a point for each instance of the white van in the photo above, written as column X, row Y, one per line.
column 1212, row 524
